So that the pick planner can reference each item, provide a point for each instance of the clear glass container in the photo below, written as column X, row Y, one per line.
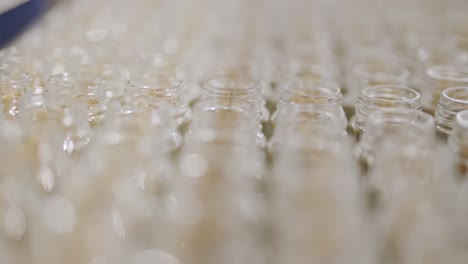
column 415, row 127
column 381, row 97
column 442, row 77
column 315, row 217
column 157, row 91
column 64, row 90
column 300, row 95
column 413, row 215
column 14, row 83
column 452, row 100
column 219, row 182
column 302, row 124
column 458, row 142
column 214, row 121
column 234, row 88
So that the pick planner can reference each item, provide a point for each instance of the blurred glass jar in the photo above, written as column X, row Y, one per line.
column 219, row 182
column 442, row 77
column 452, row 101
column 127, row 125
column 64, row 90
column 382, row 97
column 299, row 95
column 458, row 142
column 303, row 124
column 412, row 127
column 437, row 52
column 158, row 90
column 14, row 83
column 318, row 72
column 215, row 122
column 316, row 209
column 236, row 88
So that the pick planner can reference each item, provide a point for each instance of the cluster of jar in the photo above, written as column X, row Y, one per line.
column 148, row 137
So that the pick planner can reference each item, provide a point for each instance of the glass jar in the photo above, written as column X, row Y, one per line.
column 14, row 83
column 234, row 88
column 442, row 77
column 316, row 209
column 452, row 100
column 159, row 90
column 302, row 124
column 299, row 95
column 458, row 142
column 415, row 127
column 219, row 181
column 381, row 97
column 63, row 90
column 214, row 121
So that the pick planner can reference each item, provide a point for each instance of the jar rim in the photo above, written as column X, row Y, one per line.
column 141, row 82
column 247, row 83
column 411, row 95
column 446, row 72
column 447, row 94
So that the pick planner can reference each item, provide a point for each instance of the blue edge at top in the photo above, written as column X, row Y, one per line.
column 14, row 21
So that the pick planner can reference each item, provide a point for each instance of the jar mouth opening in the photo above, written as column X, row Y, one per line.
column 324, row 92
column 462, row 119
column 391, row 94
column 231, row 82
column 156, row 81
column 448, row 73
column 456, row 94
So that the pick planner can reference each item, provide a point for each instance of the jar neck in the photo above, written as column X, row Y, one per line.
column 452, row 101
